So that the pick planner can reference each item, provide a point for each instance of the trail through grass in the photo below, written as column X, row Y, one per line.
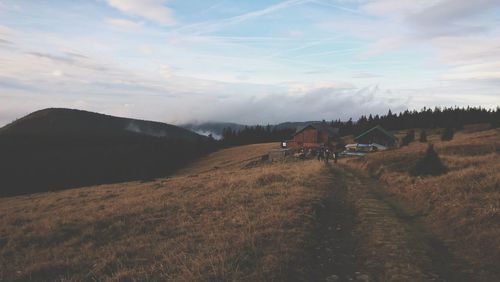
column 364, row 235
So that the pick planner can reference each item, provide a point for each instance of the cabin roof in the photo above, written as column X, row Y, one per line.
column 376, row 128
column 323, row 127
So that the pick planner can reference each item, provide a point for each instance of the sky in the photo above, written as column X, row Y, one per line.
column 180, row 61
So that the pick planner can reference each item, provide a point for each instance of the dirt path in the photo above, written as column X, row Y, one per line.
column 362, row 235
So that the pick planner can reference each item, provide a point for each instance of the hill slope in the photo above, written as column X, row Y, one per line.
column 238, row 223
column 462, row 206
column 71, row 121
column 231, row 217
column 55, row 149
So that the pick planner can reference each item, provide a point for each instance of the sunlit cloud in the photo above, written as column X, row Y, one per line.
column 154, row 10
column 123, row 23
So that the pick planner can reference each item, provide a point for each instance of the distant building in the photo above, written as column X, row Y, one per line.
column 313, row 135
column 377, row 135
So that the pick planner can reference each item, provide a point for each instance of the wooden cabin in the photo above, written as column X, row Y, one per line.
column 377, row 135
column 313, row 135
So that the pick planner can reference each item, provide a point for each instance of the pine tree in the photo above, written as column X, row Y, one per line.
column 409, row 137
column 447, row 134
column 495, row 118
column 423, row 136
column 430, row 164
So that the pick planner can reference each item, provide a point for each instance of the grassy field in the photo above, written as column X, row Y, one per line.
column 231, row 216
column 462, row 206
column 247, row 222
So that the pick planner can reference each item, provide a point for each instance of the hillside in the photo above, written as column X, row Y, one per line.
column 70, row 121
column 218, row 220
column 462, row 206
column 55, row 149
column 231, row 216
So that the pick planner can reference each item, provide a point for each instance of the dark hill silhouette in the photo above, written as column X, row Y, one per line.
column 55, row 149
column 66, row 121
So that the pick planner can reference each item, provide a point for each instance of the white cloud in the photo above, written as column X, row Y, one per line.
column 452, row 32
column 396, row 8
column 480, row 71
column 166, row 71
column 5, row 30
column 146, row 49
column 384, row 45
column 315, row 104
column 57, row 73
column 123, row 23
column 255, row 74
column 465, row 50
column 434, row 18
column 154, row 10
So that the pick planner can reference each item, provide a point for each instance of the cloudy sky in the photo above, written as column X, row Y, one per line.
column 247, row 61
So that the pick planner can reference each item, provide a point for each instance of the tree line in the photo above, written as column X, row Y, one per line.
column 453, row 118
column 254, row 134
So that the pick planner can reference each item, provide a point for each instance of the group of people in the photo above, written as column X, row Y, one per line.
column 324, row 154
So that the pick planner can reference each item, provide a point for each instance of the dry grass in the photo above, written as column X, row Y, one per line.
column 461, row 206
column 229, row 158
column 204, row 224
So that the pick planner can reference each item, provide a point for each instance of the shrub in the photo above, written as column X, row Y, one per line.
column 409, row 137
column 423, row 136
column 447, row 134
column 430, row 164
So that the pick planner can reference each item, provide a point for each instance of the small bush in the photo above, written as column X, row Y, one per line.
column 447, row 134
column 423, row 136
column 409, row 137
column 430, row 164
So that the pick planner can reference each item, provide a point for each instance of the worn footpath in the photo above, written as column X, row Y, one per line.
column 363, row 235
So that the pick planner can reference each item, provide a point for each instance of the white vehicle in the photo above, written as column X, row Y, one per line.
column 364, row 148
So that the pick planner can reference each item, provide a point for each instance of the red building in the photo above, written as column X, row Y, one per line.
column 313, row 135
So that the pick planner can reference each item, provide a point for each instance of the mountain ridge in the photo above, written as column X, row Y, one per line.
column 63, row 120
column 56, row 149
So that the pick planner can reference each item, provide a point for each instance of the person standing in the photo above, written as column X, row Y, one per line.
column 320, row 154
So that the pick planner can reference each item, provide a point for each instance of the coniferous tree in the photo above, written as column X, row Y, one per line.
column 495, row 119
column 452, row 118
column 423, row 136
column 254, row 134
column 409, row 137
column 447, row 134
column 430, row 164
